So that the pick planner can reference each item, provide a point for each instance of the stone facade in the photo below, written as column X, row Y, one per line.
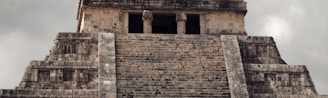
column 163, row 48
column 70, row 70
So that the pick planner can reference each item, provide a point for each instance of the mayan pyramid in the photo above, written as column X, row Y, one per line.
column 163, row 48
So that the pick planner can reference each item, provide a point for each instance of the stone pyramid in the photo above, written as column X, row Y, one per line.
column 163, row 48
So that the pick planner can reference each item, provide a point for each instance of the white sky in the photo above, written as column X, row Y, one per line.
column 300, row 28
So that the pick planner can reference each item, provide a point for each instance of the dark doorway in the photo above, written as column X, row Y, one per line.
column 68, row 75
column 43, row 75
column 135, row 23
column 192, row 24
column 164, row 24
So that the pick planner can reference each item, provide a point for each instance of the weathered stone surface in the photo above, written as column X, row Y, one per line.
column 114, row 20
column 234, row 65
column 268, row 75
column 278, row 79
column 200, row 49
column 68, row 71
column 107, row 65
column 169, row 4
column 164, row 65
column 48, row 93
column 101, row 20
column 259, row 50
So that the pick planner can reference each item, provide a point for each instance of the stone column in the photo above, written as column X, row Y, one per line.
column 147, row 17
column 34, row 75
column 60, row 75
column 76, row 79
column 181, row 19
column 125, row 28
column 53, row 75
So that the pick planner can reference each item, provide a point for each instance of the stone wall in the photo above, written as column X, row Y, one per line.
column 117, row 20
column 162, row 65
column 287, row 96
column 70, row 70
column 48, row 93
column 225, row 22
column 102, row 20
column 53, row 75
column 266, row 72
column 74, row 47
column 259, row 50
column 165, row 65
column 278, row 79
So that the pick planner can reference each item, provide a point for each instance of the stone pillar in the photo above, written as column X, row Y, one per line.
column 53, row 75
column 181, row 19
column 60, row 75
column 34, row 75
column 147, row 17
column 202, row 24
column 125, row 28
column 76, row 79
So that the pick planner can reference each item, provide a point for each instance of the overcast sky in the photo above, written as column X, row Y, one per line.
column 299, row 27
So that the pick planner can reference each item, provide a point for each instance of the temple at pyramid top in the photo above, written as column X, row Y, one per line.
column 204, row 17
